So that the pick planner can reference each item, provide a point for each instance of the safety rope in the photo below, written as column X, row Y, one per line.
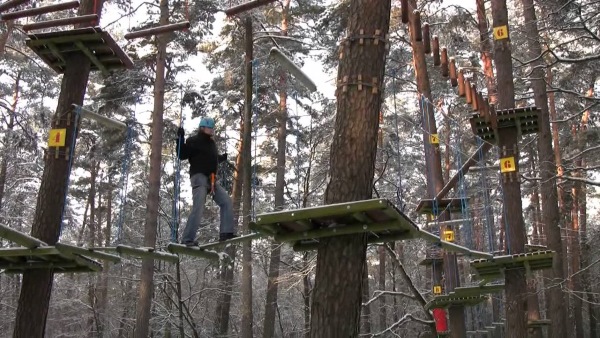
column 77, row 111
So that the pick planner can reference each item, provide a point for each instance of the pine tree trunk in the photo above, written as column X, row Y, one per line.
column 10, row 25
column 246, row 309
column 271, row 301
column 556, row 310
column 306, row 295
column 365, row 310
column 146, row 287
column 336, row 302
column 515, row 281
column 7, row 136
column 226, row 274
column 382, row 278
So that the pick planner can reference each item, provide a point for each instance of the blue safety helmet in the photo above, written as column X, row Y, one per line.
column 207, row 122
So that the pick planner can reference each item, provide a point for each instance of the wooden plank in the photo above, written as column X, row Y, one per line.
column 446, row 301
column 246, row 7
column 147, row 253
column 90, row 18
column 40, row 10
column 83, row 261
column 20, row 238
column 37, row 265
column 478, row 290
column 27, row 252
column 194, row 251
column 325, row 211
column 87, row 252
column 158, row 30
column 11, row 4
column 240, row 239
column 77, row 269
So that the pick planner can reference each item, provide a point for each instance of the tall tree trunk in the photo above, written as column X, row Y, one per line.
column 146, row 287
column 435, row 181
column 247, row 314
column 271, row 302
column 382, row 278
column 8, row 135
column 103, row 285
column 226, row 274
column 306, row 291
column 515, row 281
column 336, row 302
column 550, row 215
column 36, row 288
column 365, row 309
column 533, row 304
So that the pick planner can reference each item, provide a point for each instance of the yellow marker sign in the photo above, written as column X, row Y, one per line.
column 434, row 139
column 57, row 138
column 437, row 289
column 449, row 235
column 507, row 164
column 501, row 32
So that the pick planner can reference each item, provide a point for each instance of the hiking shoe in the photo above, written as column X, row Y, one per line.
column 226, row 236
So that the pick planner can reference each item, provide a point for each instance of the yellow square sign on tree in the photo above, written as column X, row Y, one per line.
column 434, row 139
column 501, row 32
column 507, row 164
column 437, row 289
column 57, row 137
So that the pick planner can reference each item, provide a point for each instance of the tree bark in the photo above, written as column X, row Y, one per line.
column 271, row 301
column 226, row 274
column 146, row 287
column 515, row 281
column 247, row 314
column 336, row 303
column 550, row 212
column 10, row 25
column 8, row 135
column 382, row 278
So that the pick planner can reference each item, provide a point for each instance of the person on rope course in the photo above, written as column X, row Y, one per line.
column 201, row 151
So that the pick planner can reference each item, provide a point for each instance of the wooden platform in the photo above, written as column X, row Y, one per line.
column 446, row 301
column 427, row 206
column 379, row 218
column 21, row 259
column 139, row 252
column 531, row 261
column 103, row 52
column 524, row 119
column 465, row 291
column 213, row 250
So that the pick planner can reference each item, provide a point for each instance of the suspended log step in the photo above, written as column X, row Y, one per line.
column 40, row 10
column 524, row 119
column 530, row 261
column 158, row 30
column 90, row 18
column 445, row 301
column 246, row 7
column 538, row 323
column 11, row 4
column 146, row 253
column 86, row 252
column 379, row 218
column 437, row 206
column 20, row 259
column 20, row 238
column 194, row 251
column 55, row 48
column 448, row 246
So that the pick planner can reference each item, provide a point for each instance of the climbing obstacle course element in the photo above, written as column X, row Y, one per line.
column 208, row 250
column 104, row 53
column 141, row 252
column 449, row 246
column 11, row 4
column 290, row 66
column 39, row 10
column 478, row 290
column 432, row 206
column 303, row 227
column 89, row 18
column 449, row 300
column 486, row 126
column 35, row 254
column 163, row 29
column 246, row 7
column 494, row 268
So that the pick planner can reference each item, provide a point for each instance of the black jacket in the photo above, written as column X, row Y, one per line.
column 201, row 151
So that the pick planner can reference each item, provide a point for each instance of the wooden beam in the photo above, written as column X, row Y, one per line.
column 28, row 252
column 11, row 4
column 246, row 7
column 92, row 57
column 37, row 265
column 158, row 30
column 192, row 251
column 61, row 22
column 337, row 231
column 87, row 252
column 20, row 238
column 106, row 121
column 404, row 11
column 453, row 75
column 416, row 26
column 426, row 38
column 40, row 10
column 147, row 253
column 241, row 239
column 436, row 51
column 444, row 59
column 463, row 170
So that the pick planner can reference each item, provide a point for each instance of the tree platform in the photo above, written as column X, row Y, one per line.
column 524, row 119
column 449, row 246
column 531, row 261
column 427, row 206
column 379, row 218
column 207, row 250
column 21, row 259
column 54, row 47
column 445, row 301
column 465, row 291
column 141, row 252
